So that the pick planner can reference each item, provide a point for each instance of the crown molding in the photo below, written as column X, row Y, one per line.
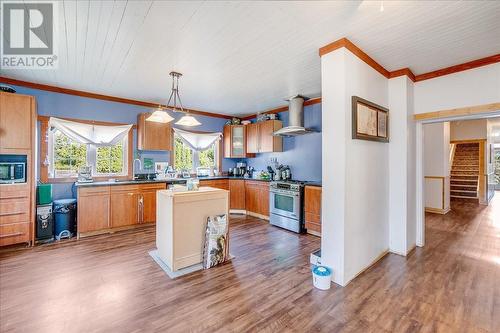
column 86, row 94
column 284, row 108
column 346, row 43
column 459, row 68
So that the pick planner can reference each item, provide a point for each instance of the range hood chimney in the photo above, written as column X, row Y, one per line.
column 295, row 118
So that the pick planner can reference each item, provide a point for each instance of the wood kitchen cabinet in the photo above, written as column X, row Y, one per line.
column 93, row 209
column 152, row 135
column 16, row 121
column 103, row 208
column 312, row 209
column 17, row 137
column 124, row 205
column 237, row 194
column 223, row 184
column 257, row 197
column 260, row 137
column 235, row 141
column 148, row 194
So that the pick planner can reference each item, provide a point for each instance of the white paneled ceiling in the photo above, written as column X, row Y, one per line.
column 242, row 57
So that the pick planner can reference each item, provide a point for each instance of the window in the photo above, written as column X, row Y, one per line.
column 66, row 156
column 187, row 159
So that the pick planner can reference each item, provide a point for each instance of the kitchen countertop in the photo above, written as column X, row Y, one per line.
column 319, row 184
column 153, row 181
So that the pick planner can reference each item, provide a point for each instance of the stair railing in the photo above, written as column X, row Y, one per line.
column 453, row 147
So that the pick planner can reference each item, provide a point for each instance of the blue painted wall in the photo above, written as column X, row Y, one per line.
column 301, row 153
column 63, row 105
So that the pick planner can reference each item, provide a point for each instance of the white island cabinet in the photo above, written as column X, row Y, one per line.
column 181, row 219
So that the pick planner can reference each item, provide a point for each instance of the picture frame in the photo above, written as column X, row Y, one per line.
column 370, row 121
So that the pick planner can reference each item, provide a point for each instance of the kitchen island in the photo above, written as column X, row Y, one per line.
column 181, row 219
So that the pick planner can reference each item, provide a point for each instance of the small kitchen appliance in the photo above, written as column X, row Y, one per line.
column 240, row 170
column 286, row 200
column 12, row 169
column 85, row 174
column 202, row 172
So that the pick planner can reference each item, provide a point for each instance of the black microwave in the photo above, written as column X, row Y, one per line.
column 12, row 169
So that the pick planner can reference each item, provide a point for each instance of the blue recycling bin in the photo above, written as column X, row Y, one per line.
column 64, row 218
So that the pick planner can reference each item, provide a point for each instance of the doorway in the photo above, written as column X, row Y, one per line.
column 490, row 168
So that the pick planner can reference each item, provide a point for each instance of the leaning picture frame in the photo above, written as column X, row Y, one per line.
column 370, row 121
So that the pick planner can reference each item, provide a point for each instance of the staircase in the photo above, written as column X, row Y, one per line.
column 465, row 171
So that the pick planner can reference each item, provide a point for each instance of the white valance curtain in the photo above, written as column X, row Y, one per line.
column 198, row 141
column 98, row 135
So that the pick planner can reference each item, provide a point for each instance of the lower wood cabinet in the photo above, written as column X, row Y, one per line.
column 257, row 197
column 312, row 209
column 93, row 209
column 15, row 217
column 223, row 184
column 124, row 205
column 237, row 194
column 103, row 208
column 147, row 212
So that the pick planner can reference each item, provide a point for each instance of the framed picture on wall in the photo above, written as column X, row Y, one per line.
column 369, row 120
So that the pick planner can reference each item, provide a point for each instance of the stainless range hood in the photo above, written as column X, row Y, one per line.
column 295, row 118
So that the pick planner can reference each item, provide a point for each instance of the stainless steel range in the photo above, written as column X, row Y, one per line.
column 286, row 205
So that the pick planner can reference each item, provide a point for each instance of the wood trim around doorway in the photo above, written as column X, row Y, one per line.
column 459, row 112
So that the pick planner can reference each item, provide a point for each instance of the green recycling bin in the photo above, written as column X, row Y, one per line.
column 44, row 194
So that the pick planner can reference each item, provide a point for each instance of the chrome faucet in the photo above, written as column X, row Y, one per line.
column 133, row 166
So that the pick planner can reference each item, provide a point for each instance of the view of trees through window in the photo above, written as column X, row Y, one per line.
column 69, row 155
column 185, row 159
column 110, row 159
column 183, row 155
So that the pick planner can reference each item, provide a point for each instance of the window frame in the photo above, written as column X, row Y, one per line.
column 217, row 157
column 45, row 176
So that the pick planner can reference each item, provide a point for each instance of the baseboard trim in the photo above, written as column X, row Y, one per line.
column 238, row 211
column 377, row 259
column 314, row 233
column 260, row 216
column 437, row 210
column 402, row 253
column 113, row 230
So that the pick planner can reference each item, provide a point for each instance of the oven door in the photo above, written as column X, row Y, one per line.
column 285, row 204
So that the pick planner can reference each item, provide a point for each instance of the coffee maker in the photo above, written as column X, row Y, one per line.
column 241, row 168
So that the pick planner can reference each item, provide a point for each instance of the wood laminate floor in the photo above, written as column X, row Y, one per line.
column 110, row 284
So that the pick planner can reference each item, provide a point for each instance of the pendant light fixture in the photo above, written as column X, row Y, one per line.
column 187, row 119
column 160, row 116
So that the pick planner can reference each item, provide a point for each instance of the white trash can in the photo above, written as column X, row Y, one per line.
column 322, row 277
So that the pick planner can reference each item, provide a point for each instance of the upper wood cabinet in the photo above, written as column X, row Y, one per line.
column 312, row 209
column 152, row 135
column 16, row 121
column 235, row 141
column 260, row 137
